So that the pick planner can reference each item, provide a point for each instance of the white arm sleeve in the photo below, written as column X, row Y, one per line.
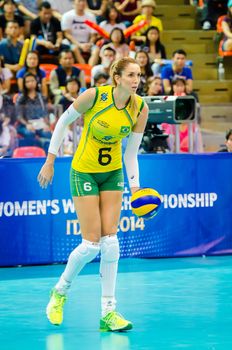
column 131, row 159
column 58, row 134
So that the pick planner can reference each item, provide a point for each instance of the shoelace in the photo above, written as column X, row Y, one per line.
column 113, row 318
column 60, row 300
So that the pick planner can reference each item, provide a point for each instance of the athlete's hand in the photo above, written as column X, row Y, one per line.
column 46, row 175
column 134, row 189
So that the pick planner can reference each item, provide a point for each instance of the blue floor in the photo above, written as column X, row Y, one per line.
column 174, row 304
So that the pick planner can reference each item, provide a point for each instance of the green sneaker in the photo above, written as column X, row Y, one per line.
column 113, row 321
column 54, row 308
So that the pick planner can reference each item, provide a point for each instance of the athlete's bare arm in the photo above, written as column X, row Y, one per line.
column 142, row 120
column 85, row 101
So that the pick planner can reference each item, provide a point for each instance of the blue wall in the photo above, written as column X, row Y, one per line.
column 40, row 226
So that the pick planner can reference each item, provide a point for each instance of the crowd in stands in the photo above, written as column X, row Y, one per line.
column 45, row 45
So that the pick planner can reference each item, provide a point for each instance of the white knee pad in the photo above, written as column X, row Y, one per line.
column 85, row 252
column 79, row 257
column 110, row 249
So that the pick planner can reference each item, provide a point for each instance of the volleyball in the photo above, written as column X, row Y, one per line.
column 145, row 203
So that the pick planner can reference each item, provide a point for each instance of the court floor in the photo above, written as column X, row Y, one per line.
column 174, row 304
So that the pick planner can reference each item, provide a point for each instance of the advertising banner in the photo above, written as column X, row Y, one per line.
column 40, row 226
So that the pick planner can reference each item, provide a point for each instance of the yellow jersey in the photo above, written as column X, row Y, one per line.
column 154, row 22
column 100, row 148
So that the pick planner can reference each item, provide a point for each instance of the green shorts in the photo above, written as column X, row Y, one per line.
column 89, row 184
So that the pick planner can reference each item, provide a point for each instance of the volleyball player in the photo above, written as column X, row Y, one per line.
column 110, row 114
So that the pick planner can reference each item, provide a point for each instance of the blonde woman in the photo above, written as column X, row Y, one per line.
column 110, row 114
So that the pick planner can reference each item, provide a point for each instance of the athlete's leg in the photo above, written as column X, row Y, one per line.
column 87, row 208
column 110, row 208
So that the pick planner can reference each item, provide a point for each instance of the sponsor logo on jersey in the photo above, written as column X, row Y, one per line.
column 103, row 123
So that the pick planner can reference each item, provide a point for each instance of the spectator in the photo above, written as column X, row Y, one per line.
column 108, row 55
column 148, row 7
column 227, row 29
column 72, row 140
column 112, row 20
column 77, row 32
column 71, row 92
column 177, row 69
column 155, row 49
column 4, row 139
column 97, row 8
column 28, row 8
column 8, row 135
column 60, row 7
column 179, row 87
column 9, row 9
column 65, row 70
column 11, row 47
column 118, row 43
column 154, row 86
column 212, row 10
column 153, row 45
column 128, row 9
column 101, row 79
column 146, row 72
column 228, row 142
column 32, row 112
column 7, row 107
column 5, row 76
column 47, row 30
column 32, row 66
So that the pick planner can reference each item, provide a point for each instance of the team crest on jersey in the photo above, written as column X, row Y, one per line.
column 107, row 138
column 104, row 96
column 124, row 130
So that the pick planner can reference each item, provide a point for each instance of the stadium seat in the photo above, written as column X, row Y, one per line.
column 28, row 152
column 48, row 67
column 49, row 58
column 87, row 70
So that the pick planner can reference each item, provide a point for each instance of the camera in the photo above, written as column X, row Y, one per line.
column 166, row 109
column 171, row 109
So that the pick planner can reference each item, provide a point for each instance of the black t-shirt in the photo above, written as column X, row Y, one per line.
column 46, row 31
column 94, row 4
column 3, row 21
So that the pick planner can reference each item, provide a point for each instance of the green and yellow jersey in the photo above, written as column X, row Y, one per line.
column 105, row 126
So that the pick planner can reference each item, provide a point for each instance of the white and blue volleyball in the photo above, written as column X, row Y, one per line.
column 145, row 203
